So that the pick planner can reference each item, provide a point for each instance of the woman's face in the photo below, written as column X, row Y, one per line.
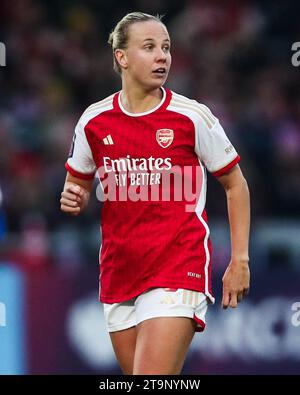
column 147, row 58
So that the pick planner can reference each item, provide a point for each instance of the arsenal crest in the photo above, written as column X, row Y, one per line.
column 164, row 137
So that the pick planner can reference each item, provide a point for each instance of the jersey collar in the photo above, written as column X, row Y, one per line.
column 163, row 104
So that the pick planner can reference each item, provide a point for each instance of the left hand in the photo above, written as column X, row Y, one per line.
column 236, row 282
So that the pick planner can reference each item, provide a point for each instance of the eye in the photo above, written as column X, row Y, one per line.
column 148, row 47
column 166, row 48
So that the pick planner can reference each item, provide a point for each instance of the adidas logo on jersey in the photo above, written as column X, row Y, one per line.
column 108, row 140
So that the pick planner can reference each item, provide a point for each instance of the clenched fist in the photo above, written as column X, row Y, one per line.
column 74, row 198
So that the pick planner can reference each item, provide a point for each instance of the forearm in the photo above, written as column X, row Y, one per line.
column 86, row 184
column 238, row 204
column 236, row 279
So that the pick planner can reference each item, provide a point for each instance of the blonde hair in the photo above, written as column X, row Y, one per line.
column 118, row 38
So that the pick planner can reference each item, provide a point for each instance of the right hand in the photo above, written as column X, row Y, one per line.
column 74, row 198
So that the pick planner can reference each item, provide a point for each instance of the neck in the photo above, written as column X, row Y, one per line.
column 137, row 100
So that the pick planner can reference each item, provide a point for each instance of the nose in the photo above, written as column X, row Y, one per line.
column 161, row 55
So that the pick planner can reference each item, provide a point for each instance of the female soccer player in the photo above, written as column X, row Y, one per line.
column 148, row 145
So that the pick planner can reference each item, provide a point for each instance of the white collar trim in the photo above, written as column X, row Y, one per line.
column 139, row 114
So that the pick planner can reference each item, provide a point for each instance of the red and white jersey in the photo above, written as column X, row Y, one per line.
column 152, row 170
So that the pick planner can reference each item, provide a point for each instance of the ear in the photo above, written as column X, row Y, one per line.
column 121, row 58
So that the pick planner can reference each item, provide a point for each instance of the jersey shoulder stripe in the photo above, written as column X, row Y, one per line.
column 193, row 106
column 101, row 102
column 97, row 108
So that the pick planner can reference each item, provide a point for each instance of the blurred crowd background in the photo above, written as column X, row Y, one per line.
column 233, row 56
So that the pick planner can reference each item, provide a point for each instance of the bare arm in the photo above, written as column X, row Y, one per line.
column 236, row 279
column 75, row 195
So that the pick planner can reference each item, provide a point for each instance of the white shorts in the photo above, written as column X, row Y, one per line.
column 157, row 302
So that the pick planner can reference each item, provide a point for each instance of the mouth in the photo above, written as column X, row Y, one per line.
column 161, row 71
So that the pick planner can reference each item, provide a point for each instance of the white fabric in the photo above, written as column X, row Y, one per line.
column 156, row 302
column 82, row 159
column 211, row 143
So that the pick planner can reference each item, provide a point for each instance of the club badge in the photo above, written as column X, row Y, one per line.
column 164, row 137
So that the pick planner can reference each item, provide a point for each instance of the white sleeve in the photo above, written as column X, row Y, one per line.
column 80, row 162
column 212, row 145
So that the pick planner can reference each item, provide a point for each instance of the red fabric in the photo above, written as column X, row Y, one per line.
column 148, row 243
column 201, row 325
column 75, row 173
column 226, row 168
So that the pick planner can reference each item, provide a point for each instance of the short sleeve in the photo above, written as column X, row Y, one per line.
column 213, row 146
column 80, row 162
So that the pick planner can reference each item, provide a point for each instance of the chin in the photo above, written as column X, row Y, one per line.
column 155, row 84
